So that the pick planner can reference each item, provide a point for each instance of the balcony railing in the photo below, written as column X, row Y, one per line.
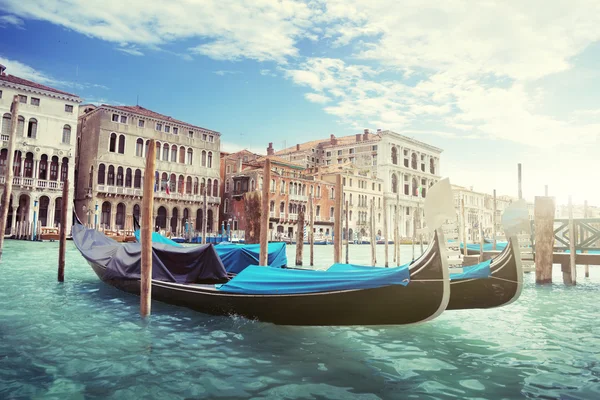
column 298, row 197
column 159, row 195
column 33, row 183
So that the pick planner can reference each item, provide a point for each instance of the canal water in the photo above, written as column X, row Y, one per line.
column 84, row 340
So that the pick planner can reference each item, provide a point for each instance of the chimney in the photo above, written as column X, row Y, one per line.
column 270, row 150
column 332, row 139
column 239, row 168
column 358, row 137
column 297, row 147
column 366, row 134
column 2, row 69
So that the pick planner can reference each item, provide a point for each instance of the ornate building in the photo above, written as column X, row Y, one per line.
column 44, row 151
column 112, row 147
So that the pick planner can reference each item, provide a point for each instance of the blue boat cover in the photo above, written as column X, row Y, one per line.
column 354, row 267
column 170, row 264
column 158, row 238
column 486, row 246
column 236, row 257
column 262, row 280
column 481, row 270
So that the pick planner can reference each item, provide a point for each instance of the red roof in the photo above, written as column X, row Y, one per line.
column 151, row 114
column 20, row 81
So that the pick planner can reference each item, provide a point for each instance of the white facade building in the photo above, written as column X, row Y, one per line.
column 44, row 151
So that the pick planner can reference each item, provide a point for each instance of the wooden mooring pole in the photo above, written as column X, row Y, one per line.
column 463, row 225
column 494, row 222
column 311, row 233
column 570, row 271
column 414, row 232
column 584, row 236
column 347, row 235
column 8, row 182
column 204, row 215
column 481, row 239
column 299, row 238
column 337, row 221
column 397, row 232
column 372, row 231
column 520, row 181
column 146, row 231
column 386, row 238
column 62, row 245
column 264, row 215
column 544, row 238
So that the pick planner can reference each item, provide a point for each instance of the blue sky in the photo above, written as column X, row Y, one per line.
column 491, row 83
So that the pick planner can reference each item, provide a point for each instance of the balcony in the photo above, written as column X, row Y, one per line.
column 298, row 197
column 33, row 183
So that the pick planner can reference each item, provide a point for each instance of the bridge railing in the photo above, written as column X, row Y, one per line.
column 587, row 234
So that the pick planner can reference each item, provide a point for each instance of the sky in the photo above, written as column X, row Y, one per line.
column 492, row 83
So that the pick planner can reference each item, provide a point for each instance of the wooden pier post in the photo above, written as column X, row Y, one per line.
column 420, row 224
column 146, row 231
column 397, row 232
column 584, row 236
column 311, row 233
column 544, row 238
column 386, row 238
column 204, row 215
column 299, row 238
column 62, row 245
column 372, row 231
column 520, row 181
column 264, row 215
column 481, row 239
column 414, row 232
column 463, row 225
column 347, row 235
column 494, row 233
column 8, row 182
column 570, row 273
column 337, row 221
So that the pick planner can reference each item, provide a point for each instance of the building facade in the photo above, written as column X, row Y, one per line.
column 405, row 166
column 44, row 152
column 112, row 147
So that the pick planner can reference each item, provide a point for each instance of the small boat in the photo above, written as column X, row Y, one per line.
column 475, row 248
column 49, row 234
column 195, row 277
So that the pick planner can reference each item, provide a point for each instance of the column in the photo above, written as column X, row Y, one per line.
column 21, row 164
column 50, row 214
column 113, row 217
column 14, row 220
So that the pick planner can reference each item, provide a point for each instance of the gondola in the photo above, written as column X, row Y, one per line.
column 194, row 277
column 500, row 285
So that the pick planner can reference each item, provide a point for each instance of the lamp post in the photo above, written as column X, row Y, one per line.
column 96, row 217
column 35, row 208
column 229, row 230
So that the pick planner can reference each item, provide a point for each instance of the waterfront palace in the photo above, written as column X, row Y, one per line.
column 44, row 151
column 111, row 158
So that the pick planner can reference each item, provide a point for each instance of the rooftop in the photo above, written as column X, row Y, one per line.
column 24, row 82
column 340, row 141
column 139, row 110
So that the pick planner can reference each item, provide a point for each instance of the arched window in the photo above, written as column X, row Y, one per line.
column 209, row 160
column 136, row 211
column 394, row 155
column 182, row 155
column 173, row 183
column 112, row 144
column 252, row 185
column 122, row 144
column 282, row 207
column 158, row 147
column 432, row 165
column 394, row 183
column 188, row 185
column 415, row 187
column 199, row 219
column 43, row 173
column 32, row 128
column 64, row 169
column 21, row 126
column 272, row 206
column 128, row 178
column 147, row 146
column 165, row 152
column 161, row 219
column 202, row 186
column 227, row 186
column 66, row 135
column 181, row 184
column 6, row 125
column 54, row 169
column 226, row 206
column 174, row 153
column 215, row 188
column 120, row 176
column 120, row 217
column 190, row 156
column 105, row 218
column 196, row 181
column 164, row 179
column 413, row 161
column 272, row 185
column 209, row 187
column 137, row 179
column 110, row 179
column 139, row 147
column 203, row 158
column 28, row 173
column 209, row 221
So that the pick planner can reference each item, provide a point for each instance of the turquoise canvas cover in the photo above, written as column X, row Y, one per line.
column 157, row 238
column 354, row 267
column 273, row 281
column 486, row 246
column 477, row 271
column 236, row 257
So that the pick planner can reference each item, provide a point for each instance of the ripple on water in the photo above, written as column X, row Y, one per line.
column 84, row 339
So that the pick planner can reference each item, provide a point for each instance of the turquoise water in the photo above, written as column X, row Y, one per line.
column 84, row 340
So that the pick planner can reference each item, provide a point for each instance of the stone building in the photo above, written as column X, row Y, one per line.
column 112, row 147
column 406, row 167
column 290, row 189
column 44, row 151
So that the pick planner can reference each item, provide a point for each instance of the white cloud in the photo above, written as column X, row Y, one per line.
column 267, row 72
column 134, row 51
column 225, row 72
column 6, row 20
column 317, row 98
column 223, row 29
